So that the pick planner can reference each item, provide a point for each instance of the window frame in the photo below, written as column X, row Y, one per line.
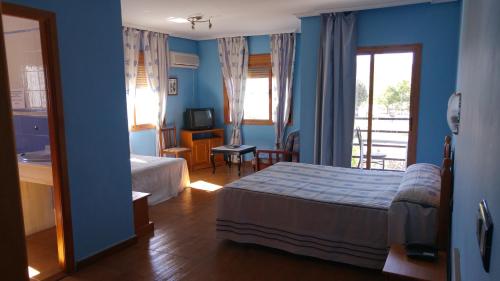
column 416, row 49
column 257, row 60
column 143, row 83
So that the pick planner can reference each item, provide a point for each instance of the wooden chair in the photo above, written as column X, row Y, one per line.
column 289, row 154
column 168, row 145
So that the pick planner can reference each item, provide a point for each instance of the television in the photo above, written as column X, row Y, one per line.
column 199, row 119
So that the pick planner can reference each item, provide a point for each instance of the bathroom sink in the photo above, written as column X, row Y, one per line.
column 35, row 156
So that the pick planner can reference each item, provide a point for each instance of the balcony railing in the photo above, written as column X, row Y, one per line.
column 387, row 145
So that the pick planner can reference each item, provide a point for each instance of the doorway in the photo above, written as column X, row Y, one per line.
column 386, row 112
column 35, row 100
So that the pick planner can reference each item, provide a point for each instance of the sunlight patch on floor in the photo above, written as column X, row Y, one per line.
column 203, row 185
column 32, row 272
column 137, row 160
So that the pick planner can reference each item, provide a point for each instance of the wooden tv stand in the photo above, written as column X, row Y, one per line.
column 201, row 142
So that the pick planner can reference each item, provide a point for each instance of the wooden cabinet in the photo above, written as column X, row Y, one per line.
column 200, row 148
column 200, row 143
column 214, row 142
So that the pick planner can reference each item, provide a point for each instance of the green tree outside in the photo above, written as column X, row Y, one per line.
column 396, row 98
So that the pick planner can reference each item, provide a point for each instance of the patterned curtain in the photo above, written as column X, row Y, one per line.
column 233, row 55
column 156, row 62
column 282, row 59
column 131, row 45
column 335, row 90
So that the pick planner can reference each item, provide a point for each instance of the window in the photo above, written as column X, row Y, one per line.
column 258, row 96
column 144, row 106
column 34, row 85
column 386, row 113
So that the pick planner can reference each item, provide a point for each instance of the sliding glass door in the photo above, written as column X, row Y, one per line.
column 387, row 87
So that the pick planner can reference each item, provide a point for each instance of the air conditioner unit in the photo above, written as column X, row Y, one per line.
column 184, row 60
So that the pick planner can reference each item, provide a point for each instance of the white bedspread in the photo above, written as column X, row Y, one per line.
column 163, row 177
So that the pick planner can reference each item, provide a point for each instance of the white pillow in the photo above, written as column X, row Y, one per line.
column 421, row 184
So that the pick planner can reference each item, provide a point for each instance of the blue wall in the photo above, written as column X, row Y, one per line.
column 210, row 89
column 436, row 27
column 210, row 80
column 143, row 142
column 89, row 34
column 309, row 49
column 477, row 151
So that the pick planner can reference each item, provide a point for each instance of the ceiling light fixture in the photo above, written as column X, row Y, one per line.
column 199, row 19
column 177, row 20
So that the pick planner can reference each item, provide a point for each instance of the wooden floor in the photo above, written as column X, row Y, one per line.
column 184, row 248
column 42, row 253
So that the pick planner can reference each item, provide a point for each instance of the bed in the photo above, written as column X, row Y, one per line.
column 337, row 214
column 162, row 177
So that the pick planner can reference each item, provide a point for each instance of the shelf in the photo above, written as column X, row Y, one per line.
column 203, row 131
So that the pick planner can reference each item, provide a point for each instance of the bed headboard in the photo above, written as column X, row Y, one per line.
column 444, row 214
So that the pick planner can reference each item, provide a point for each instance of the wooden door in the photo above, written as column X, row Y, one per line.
column 386, row 112
column 14, row 260
column 201, row 150
column 50, row 56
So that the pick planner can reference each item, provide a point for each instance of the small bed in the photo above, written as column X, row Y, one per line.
column 338, row 214
column 162, row 177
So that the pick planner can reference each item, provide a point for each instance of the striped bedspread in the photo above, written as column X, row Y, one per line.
column 331, row 213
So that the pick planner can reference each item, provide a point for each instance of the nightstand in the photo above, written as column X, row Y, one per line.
column 399, row 267
column 142, row 223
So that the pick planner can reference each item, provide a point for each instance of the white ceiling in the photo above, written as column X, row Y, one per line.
column 238, row 17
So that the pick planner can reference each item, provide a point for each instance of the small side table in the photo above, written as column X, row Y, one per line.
column 142, row 224
column 228, row 151
column 400, row 267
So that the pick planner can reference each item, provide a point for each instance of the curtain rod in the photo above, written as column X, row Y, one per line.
column 144, row 29
column 394, row 3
